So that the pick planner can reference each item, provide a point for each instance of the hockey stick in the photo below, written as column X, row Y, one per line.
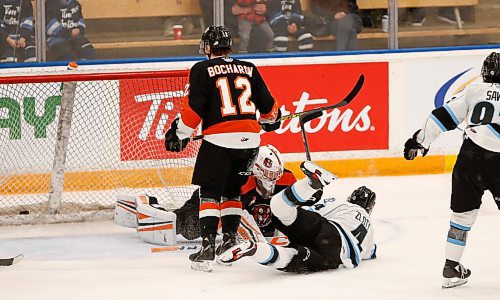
column 303, row 119
column 275, row 240
column 175, row 248
column 352, row 94
column 10, row 261
column 317, row 112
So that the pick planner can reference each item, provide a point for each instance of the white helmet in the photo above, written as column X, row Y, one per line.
column 268, row 168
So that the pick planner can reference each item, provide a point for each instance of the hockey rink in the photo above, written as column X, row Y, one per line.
column 101, row 260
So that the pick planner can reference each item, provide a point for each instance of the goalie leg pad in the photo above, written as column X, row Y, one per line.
column 249, row 230
column 154, row 224
column 125, row 211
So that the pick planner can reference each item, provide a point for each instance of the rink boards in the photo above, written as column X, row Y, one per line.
column 364, row 138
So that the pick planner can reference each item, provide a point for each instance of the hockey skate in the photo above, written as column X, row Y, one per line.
column 228, row 241
column 203, row 259
column 454, row 275
column 318, row 176
column 235, row 253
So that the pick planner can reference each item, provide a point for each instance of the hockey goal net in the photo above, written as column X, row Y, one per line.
column 70, row 142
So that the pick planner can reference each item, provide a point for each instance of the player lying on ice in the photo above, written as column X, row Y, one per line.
column 323, row 236
column 269, row 178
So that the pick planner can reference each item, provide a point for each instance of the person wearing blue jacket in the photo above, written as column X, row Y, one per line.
column 17, row 42
column 286, row 19
column 65, row 30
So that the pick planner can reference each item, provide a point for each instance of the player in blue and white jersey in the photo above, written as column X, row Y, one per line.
column 477, row 166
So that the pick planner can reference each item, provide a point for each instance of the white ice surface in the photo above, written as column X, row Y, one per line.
column 104, row 261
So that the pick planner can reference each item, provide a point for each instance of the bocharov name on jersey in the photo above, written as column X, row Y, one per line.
column 229, row 69
column 226, row 94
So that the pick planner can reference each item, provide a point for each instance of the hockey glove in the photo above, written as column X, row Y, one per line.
column 412, row 147
column 172, row 141
column 268, row 127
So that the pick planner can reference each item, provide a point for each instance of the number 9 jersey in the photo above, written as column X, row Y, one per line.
column 225, row 94
column 479, row 106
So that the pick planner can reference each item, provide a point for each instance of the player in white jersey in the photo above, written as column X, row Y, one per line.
column 322, row 237
column 477, row 166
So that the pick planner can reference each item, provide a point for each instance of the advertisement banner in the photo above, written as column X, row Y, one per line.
column 361, row 125
column 146, row 105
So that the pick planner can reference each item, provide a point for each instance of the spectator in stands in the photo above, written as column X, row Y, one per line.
column 16, row 31
column 230, row 20
column 417, row 16
column 252, row 14
column 65, row 30
column 343, row 21
column 286, row 18
column 447, row 15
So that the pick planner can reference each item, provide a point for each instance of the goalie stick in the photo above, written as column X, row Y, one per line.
column 308, row 115
column 275, row 240
column 175, row 248
column 11, row 261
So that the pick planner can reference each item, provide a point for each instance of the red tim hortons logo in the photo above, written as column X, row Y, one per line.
column 363, row 124
column 147, row 108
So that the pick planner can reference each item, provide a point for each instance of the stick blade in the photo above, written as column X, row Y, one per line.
column 10, row 261
column 175, row 248
column 354, row 91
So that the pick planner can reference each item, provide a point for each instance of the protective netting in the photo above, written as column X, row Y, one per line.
column 116, row 143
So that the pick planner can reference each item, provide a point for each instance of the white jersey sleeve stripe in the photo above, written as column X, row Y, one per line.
column 495, row 133
column 296, row 194
column 438, row 123
column 452, row 114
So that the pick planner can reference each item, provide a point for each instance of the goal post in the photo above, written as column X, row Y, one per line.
column 68, row 90
column 66, row 153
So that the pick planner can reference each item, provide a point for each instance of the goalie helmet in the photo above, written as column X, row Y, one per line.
column 268, row 167
column 491, row 68
column 217, row 38
column 363, row 197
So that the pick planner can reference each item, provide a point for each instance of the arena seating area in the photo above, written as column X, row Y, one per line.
column 134, row 28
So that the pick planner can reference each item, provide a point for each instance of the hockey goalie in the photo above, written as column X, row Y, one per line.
column 157, row 226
